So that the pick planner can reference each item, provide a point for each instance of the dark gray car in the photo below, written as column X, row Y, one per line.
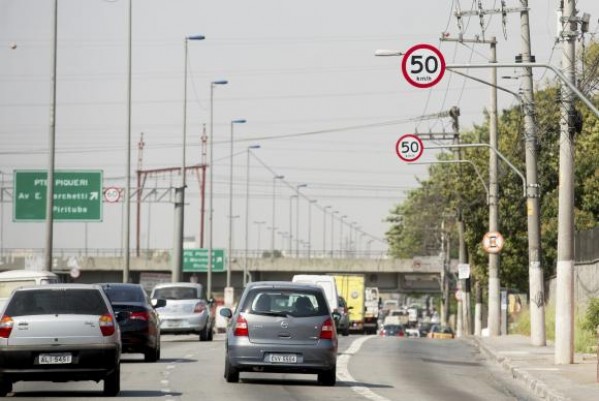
column 281, row 327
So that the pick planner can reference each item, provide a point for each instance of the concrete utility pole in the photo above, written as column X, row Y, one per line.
column 564, row 315
column 535, row 271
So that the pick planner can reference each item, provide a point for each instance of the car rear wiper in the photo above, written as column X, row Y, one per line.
column 270, row 313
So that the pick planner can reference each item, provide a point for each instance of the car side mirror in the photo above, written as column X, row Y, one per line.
column 226, row 312
column 158, row 303
column 336, row 315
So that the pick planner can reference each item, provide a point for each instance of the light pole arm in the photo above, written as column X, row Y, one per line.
column 482, row 181
column 486, row 145
column 557, row 72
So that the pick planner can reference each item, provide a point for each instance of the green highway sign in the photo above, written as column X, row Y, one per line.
column 196, row 260
column 77, row 195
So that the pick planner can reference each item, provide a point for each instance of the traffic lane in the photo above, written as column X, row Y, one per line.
column 424, row 369
column 207, row 381
column 139, row 379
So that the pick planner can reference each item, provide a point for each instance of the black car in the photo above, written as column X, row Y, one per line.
column 137, row 318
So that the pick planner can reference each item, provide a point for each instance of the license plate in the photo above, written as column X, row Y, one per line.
column 55, row 359
column 283, row 358
column 173, row 323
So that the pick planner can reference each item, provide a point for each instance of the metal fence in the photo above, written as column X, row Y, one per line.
column 586, row 246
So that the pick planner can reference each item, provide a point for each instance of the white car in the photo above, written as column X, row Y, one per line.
column 186, row 311
column 60, row 332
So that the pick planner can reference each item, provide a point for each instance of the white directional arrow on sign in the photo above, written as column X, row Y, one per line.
column 93, row 195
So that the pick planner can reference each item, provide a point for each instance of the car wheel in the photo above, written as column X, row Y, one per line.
column 152, row 354
column 205, row 334
column 328, row 378
column 5, row 387
column 112, row 383
column 345, row 332
column 231, row 374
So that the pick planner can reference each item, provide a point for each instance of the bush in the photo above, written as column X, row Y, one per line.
column 591, row 318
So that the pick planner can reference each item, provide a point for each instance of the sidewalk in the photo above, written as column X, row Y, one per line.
column 535, row 368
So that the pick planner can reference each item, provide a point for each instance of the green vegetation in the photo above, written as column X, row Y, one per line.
column 415, row 224
column 585, row 323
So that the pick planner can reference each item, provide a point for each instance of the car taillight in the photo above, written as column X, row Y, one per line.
column 400, row 333
column 106, row 323
column 241, row 327
column 328, row 330
column 199, row 308
column 142, row 315
column 6, row 326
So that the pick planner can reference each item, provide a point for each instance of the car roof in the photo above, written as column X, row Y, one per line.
column 282, row 284
column 26, row 274
column 120, row 285
column 178, row 284
column 65, row 286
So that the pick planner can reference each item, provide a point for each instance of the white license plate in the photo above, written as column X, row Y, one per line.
column 55, row 359
column 283, row 358
column 173, row 323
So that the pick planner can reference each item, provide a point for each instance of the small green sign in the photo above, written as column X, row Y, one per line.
column 77, row 195
column 196, row 260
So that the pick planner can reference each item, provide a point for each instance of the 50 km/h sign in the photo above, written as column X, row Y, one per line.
column 423, row 66
column 409, row 147
column 77, row 195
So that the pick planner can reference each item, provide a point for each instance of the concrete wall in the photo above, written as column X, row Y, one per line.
column 586, row 283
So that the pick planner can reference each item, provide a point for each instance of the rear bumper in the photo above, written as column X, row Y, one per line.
column 93, row 362
column 246, row 356
column 183, row 324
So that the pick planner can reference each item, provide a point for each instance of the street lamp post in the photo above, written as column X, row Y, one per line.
column 290, row 223
column 341, row 234
column 324, row 229
column 297, row 189
column 274, row 197
column 247, row 211
column 230, row 246
column 333, row 232
column 258, row 235
column 180, row 192
column 211, row 182
column 311, row 201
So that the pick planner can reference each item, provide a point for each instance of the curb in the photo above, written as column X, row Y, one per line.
column 538, row 387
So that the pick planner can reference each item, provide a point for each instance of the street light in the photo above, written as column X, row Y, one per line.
column 324, row 229
column 233, row 122
column 297, row 189
column 272, row 238
column 341, row 234
column 290, row 223
column 258, row 247
column 310, row 226
column 247, row 211
column 211, row 182
column 180, row 192
column 333, row 232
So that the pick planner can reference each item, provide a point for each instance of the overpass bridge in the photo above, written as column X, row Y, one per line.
column 416, row 275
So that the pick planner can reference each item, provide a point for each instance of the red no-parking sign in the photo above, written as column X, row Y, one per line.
column 409, row 147
column 423, row 66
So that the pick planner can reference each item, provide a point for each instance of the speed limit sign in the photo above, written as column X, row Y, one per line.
column 423, row 66
column 112, row 194
column 409, row 147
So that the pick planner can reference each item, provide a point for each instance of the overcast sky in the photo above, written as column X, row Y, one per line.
column 293, row 68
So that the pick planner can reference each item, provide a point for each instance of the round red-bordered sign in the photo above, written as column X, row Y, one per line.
column 112, row 194
column 409, row 147
column 423, row 65
column 493, row 242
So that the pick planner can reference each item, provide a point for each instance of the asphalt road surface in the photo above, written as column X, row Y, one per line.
column 369, row 369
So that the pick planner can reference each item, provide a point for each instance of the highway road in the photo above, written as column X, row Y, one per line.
column 369, row 368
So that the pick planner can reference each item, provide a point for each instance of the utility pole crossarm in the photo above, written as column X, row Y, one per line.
column 505, row 10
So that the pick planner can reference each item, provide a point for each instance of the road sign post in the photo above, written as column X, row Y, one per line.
column 423, row 66
column 77, row 195
column 409, row 147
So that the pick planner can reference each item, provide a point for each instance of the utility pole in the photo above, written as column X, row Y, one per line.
column 535, row 271
column 564, row 315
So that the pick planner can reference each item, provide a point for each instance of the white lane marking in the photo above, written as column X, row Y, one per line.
column 164, row 382
column 170, row 366
column 344, row 375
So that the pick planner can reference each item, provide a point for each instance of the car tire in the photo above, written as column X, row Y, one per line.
column 345, row 332
column 112, row 383
column 5, row 387
column 211, row 333
column 328, row 377
column 205, row 335
column 231, row 374
column 152, row 354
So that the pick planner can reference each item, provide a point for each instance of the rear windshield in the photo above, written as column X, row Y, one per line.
column 57, row 301
column 176, row 293
column 124, row 293
column 286, row 302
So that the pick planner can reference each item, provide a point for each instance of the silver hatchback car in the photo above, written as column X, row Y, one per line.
column 59, row 332
column 281, row 327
